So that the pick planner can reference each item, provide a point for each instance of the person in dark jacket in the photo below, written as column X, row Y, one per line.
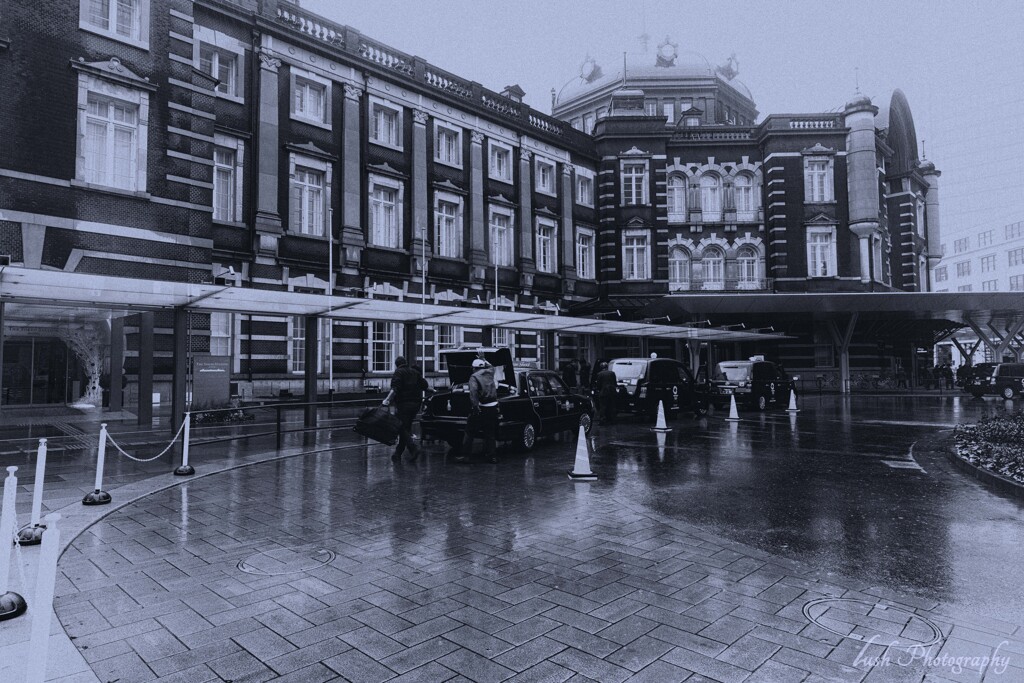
column 605, row 387
column 483, row 414
column 584, row 374
column 407, row 387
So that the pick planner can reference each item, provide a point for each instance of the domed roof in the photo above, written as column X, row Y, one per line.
column 858, row 100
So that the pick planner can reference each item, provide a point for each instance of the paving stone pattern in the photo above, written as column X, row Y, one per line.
column 444, row 573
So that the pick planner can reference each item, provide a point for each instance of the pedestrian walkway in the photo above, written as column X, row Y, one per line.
column 326, row 561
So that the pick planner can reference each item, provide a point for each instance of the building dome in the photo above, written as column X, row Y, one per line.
column 858, row 100
column 926, row 167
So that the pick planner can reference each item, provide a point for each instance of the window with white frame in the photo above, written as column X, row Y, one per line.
column 542, row 348
column 588, row 124
column 636, row 255
column 988, row 263
column 545, row 176
column 586, row 254
column 747, row 265
column 500, row 221
column 650, row 107
column 963, row 269
column 668, row 110
column 309, row 180
column 547, row 236
column 941, row 274
column 385, row 123
column 821, row 252
column 633, row 175
column 961, row 245
column 501, row 161
column 710, row 198
column 446, row 337
column 124, row 20
column 297, row 348
column 1015, row 257
column 1017, row 283
column 989, row 285
column 386, row 197
column 227, row 178
column 113, row 132
column 713, row 263
column 448, row 144
column 744, row 190
column 584, row 186
column 223, row 66
column 1014, row 230
column 311, row 98
column 919, row 210
column 385, row 346
column 678, row 270
column 985, row 238
column 676, row 199
column 447, row 225
column 221, row 326
column 503, row 338
column 818, row 179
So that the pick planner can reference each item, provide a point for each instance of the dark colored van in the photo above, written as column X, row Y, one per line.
column 754, row 382
column 643, row 383
column 1007, row 380
column 976, row 378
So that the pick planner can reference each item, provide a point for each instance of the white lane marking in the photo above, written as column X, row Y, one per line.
column 909, row 464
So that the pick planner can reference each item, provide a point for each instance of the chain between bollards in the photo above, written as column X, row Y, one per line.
column 33, row 533
column 185, row 470
column 99, row 496
column 11, row 604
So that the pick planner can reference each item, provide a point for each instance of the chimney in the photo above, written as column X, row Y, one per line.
column 513, row 92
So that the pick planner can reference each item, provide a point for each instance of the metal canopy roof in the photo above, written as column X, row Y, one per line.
column 32, row 293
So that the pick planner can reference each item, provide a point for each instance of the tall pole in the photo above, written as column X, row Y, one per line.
column 423, row 297
column 330, row 292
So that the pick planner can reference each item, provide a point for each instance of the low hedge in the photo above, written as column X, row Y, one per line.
column 995, row 443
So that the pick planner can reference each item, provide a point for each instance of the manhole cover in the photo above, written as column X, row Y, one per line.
column 872, row 621
column 281, row 561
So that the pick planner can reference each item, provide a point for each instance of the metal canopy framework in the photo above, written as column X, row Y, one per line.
column 30, row 293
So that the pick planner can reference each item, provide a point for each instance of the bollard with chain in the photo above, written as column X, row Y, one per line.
column 39, row 642
column 33, row 533
column 185, row 469
column 99, row 496
column 11, row 604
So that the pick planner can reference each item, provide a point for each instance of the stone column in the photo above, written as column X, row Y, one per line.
column 933, row 231
column 864, row 232
column 568, row 246
column 527, row 265
column 353, row 237
column 116, row 364
column 478, row 218
column 179, row 373
column 268, row 217
column 420, row 242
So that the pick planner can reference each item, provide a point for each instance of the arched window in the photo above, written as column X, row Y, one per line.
column 746, row 209
column 747, row 262
column 711, row 198
column 678, row 270
column 714, row 268
column 676, row 199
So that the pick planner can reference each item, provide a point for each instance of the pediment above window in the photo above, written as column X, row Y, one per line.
column 500, row 199
column 634, row 152
column 309, row 149
column 448, row 186
column 386, row 169
column 636, row 222
column 113, row 69
column 545, row 211
column 821, row 219
column 818, row 150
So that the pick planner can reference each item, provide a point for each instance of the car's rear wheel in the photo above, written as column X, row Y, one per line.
column 528, row 437
column 586, row 422
column 1008, row 393
column 762, row 402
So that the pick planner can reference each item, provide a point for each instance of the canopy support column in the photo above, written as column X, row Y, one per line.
column 309, row 373
column 2, row 332
column 842, row 341
column 116, row 365
column 179, row 376
column 145, row 369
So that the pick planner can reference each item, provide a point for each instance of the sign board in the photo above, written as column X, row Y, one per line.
column 211, row 377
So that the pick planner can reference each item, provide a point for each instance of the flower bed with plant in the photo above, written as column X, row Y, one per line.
column 995, row 443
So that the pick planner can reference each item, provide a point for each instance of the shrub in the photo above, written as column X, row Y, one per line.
column 995, row 443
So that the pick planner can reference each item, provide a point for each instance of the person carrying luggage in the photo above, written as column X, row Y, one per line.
column 483, row 414
column 407, row 387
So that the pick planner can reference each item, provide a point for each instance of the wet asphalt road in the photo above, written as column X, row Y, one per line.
column 860, row 486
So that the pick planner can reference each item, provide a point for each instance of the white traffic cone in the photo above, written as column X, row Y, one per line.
column 733, row 415
column 581, row 470
column 792, row 402
column 660, row 425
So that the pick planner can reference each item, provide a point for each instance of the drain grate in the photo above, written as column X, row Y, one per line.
column 881, row 623
column 281, row 561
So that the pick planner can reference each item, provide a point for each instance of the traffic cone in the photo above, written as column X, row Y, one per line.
column 581, row 470
column 660, row 425
column 733, row 415
column 792, row 402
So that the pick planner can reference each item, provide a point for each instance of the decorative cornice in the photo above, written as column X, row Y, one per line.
column 113, row 70
column 386, row 169
column 634, row 152
column 309, row 149
column 448, row 186
column 818, row 150
column 500, row 199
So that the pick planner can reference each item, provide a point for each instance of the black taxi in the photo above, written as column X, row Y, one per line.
column 533, row 403
column 755, row 382
column 644, row 383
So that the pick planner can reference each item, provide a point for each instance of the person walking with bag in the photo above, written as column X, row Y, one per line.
column 483, row 414
column 407, row 387
column 605, row 387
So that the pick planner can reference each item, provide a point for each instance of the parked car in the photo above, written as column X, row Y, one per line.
column 976, row 378
column 1007, row 380
column 754, row 382
column 643, row 383
column 533, row 403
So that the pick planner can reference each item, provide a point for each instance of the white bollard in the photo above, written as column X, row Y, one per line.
column 99, row 496
column 33, row 533
column 11, row 604
column 185, row 469
column 46, row 577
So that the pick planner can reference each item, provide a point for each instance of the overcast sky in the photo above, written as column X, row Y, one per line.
column 960, row 64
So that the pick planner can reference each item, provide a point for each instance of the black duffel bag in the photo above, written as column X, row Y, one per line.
column 378, row 424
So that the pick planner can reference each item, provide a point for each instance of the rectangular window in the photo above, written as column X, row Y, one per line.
column 501, row 237
column 985, row 238
column 384, row 208
column 545, row 180
column 547, row 235
column 310, row 98
column 668, row 110
column 448, row 146
column 501, row 162
column 221, row 325
column 588, row 124
column 308, row 205
column 636, row 257
column 225, row 184
column 223, row 66
column 584, row 189
column 111, row 142
column 125, row 20
column 964, row 288
column 385, row 346
column 821, row 252
column 446, row 337
column 586, row 252
column 386, row 124
column 818, row 179
column 988, row 263
column 963, row 269
column 298, row 344
column 503, row 338
column 1017, row 283
column 651, row 107
column 990, row 285
column 448, row 226
column 634, row 183
column 1015, row 257
column 1014, row 230
column 961, row 245
column 941, row 274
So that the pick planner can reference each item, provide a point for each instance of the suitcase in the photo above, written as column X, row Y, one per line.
column 378, row 424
